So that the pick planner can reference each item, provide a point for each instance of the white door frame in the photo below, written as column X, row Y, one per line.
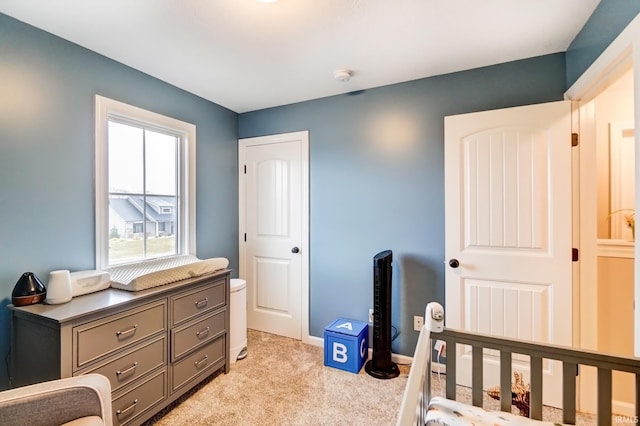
column 616, row 58
column 625, row 49
column 303, row 136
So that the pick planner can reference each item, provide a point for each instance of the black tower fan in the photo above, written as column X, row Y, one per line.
column 380, row 365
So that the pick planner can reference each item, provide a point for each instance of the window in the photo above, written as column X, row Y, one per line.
column 137, row 229
column 145, row 185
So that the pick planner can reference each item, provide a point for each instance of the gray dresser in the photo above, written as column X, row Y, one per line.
column 152, row 345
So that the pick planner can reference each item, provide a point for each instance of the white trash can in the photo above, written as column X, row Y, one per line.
column 238, row 313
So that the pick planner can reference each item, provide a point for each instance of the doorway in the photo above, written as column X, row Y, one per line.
column 611, row 120
column 606, row 99
column 615, row 167
column 273, row 206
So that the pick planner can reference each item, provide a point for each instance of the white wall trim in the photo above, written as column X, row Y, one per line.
column 608, row 66
column 616, row 248
column 621, row 408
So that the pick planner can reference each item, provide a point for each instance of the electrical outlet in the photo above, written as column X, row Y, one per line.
column 371, row 315
column 418, row 322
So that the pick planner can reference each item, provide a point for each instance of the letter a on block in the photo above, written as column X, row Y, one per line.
column 346, row 325
column 339, row 352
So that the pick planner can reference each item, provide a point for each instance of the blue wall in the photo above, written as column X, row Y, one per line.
column 604, row 25
column 376, row 164
column 377, row 180
column 47, row 87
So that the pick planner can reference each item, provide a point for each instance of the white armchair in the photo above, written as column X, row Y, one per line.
column 77, row 401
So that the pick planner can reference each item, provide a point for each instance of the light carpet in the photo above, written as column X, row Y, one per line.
column 284, row 382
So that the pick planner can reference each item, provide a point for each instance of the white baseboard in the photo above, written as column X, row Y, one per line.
column 397, row 358
column 622, row 408
column 438, row 367
column 316, row 341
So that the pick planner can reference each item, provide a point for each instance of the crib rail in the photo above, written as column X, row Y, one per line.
column 570, row 358
column 417, row 393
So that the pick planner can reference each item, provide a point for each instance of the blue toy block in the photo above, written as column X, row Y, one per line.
column 346, row 344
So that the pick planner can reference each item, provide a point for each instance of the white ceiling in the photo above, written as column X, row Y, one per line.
column 246, row 55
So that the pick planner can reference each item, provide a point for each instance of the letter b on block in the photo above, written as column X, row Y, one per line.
column 340, row 353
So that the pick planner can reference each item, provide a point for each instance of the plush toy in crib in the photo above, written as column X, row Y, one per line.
column 520, row 393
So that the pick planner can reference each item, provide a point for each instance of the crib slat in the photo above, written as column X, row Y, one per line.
column 604, row 396
column 426, row 397
column 569, row 392
column 535, row 401
column 476, row 379
column 451, row 369
column 505, row 381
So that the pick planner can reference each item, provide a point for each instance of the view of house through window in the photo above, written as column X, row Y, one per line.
column 143, row 182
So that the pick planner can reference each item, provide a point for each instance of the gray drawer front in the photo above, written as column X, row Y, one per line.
column 148, row 393
column 191, row 304
column 189, row 337
column 204, row 359
column 104, row 336
column 135, row 363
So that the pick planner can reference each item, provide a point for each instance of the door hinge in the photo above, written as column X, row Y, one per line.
column 574, row 139
column 245, row 169
column 574, row 255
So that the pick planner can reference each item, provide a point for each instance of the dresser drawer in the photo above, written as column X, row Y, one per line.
column 104, row 336
column 191, row 336
column 204, row 359
column 188, row 305
column 134, row 363
column 134, row 402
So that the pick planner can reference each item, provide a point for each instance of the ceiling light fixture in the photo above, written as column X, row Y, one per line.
column 342, row 75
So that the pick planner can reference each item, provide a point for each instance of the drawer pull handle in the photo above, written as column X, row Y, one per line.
column 127, row 370
column 131, row 407
column 203, row 360
column 203, row 332
column 125, row 332
column 202, row 303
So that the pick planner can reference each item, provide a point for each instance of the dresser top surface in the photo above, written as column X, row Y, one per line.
column 107, row 299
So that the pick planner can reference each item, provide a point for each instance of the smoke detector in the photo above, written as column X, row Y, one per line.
column 342, row 75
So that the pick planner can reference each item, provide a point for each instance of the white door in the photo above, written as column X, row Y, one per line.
column 508, row 225
column 273, row 232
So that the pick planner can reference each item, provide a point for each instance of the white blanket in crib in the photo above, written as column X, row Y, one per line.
column 446, row 412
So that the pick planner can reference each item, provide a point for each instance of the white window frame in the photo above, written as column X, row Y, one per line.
column 106, row 108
